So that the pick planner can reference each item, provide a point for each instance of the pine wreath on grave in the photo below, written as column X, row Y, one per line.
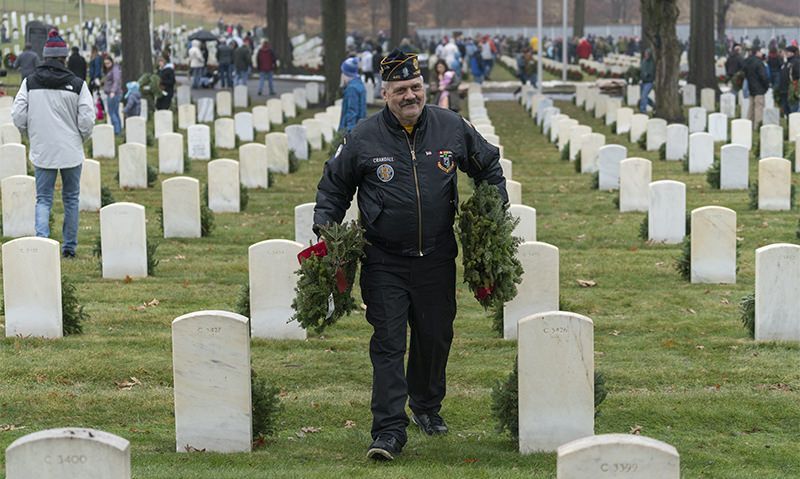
column 491, row 268
column 326, row 275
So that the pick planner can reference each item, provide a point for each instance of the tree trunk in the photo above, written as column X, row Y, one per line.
column 644, row 43
column 278, row 30
column 135, row 25
column 722, row 15
column 334, row 31
column 701, row 46
column 399, row 19
column 579, row 18
column 661, row 18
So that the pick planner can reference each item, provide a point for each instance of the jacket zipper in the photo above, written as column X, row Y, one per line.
column 412, row 148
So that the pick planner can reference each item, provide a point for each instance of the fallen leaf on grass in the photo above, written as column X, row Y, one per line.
column 725, row 301
column 127, row 279
column 470, row 460
column 309, row 429
column 691, row 311
column 586, row 283
column 636, row 430
column 189, row 448
column 774, row 387
column 614, row 333
column 10, row 427
column 349, row 424
column 128, row 384
column 700, row 346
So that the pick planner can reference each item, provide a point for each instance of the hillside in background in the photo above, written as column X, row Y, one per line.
column 373, row 15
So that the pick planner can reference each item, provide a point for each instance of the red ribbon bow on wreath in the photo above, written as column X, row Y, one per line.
column 321, row 249
column 483, row 292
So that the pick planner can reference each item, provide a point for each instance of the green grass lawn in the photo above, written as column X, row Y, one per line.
column 678, row 365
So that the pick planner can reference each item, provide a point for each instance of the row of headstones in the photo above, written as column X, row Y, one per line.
column 301, row 97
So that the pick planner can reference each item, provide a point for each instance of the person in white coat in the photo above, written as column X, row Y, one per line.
column 55, row 110
column 196, row 63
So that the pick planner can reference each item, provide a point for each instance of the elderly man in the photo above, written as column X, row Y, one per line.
column 55, row 109
column 403, row 162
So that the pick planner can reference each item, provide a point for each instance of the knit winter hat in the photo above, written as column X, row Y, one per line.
column 55, row 46
column 350, row 67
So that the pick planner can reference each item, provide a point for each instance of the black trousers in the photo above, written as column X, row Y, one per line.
column 418, row 292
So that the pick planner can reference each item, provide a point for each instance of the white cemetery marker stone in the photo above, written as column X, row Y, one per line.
column 303, row 223
column 13, row 160
column 772, row 116
column 526, row 228
column 600, row 106
column 514, row 190
column 634, row 184
column 508, row 168
column 612, row 105
column 701, row 152
column 314, row 133
column 261, row 118
column 69, row 453
column 223, row 186
column 769, row 100
column 162, row 122
column 638, row 126
column 656, row 133
column 19, row 206
column 103, row 142
column 187, row 116
column 576, row 135
column 697, row 119
column 632, row 95
column 564, row 128
column 718, row 126
column 745, row 106
column 312, row 92
column 184, row 95
column 794, row 125
column 618, row 456
column 272, row 264
column 224, row 133
column 667, row 212
column 796, row 154
column 123, row 238
column 301, row 101
column 734, row 167
column 180, row 201
column 198, row 139
column 275, row 107
column 677, row 141
column 288, row 105
column 240, row 96
column 32, row 287
column 556, row 380
column 224, row 106
column 10, row 134
column 742, row 133
column 211, row 370
column 205, row 110
column 136, row 130
column 624, row 117
column 547, row 118
column 170, row 153
column 777, row 301
column 144, row 111
column 589, row 147
column 370, row 93
column 771, row 143
column 488, row 129
column 89, row 199
column 689, row 95
column 713, row 249
column 708, row 99
column 297, row 140
column 774, row 184
column 277, row 152
column 554, row 122
column 253, row 165
column 5, row 115
column 538, row 291
column 727, row 105
column 132, row 165
column 543, row 104
column 608, row 160
column 243, row 124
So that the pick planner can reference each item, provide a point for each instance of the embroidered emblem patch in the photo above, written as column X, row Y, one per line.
column 446, row 162
column 385, row 173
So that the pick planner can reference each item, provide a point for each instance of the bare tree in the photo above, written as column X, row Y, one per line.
column 701, row 46
column 334, row 31
column 722, row 12
column 661, row 34
column 399, row 20
column 278, row 28
column 135, row 22
column 579, row 18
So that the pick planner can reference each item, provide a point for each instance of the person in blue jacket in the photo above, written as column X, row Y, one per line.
column 354, row 98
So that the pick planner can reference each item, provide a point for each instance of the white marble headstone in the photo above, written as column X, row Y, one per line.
column 713, row 249
column 656, row 133
column 223, row 186
column 314, row 133
column 123, row 238
column 624, row 117
column 734, row 167
column 180, row 202
column 771, row 142
column 514, row 190
column 708, row 99
column 253, row 166
column 198, row 139
column 774, row 184
column 539, row 291
column 777, row 298
column 638, row 126
column 589, row 149
column 13, row 160
column 132, row 165
column 297, row 141
column 634, row 184
column 288, row 105
column 617, row 456
column 261, row 118
column 742, row 132
column 667, row 212
column 701, row 152
column 772, row 116
column 576, row 135
column 275, row 107
column 162, row 122
column 184, row 95
column 19, row 206
column 103, row 142
column 272, row 264
column 677, row 141
column 312, row 92
column 205, row 110
column 243, row 124
column 727, row 105
column 277, row 152
column 526, row 228
column 608, row 160
column 136, row 130
column 689, row 95
column 718, row 127
column 240, row 96
column 224, row 133
column 697, row 119
column 187, row 116
column 90, row 195
column 224, row 105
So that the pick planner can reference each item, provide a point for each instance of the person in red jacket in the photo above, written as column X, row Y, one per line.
column 266, row 61
column 584, row 49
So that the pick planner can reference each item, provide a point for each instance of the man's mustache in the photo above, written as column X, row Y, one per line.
column 409, row 102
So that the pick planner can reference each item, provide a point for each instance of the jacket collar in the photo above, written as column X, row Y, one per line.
column 397, row 128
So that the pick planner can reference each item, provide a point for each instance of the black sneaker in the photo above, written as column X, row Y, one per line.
column 68, row 254
column 431, row 424
column 384, row 448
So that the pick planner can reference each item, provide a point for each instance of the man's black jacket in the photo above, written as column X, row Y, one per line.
column 407, row 183
column 756, row 73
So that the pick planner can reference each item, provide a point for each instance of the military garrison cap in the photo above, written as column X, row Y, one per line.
column 398, row 66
